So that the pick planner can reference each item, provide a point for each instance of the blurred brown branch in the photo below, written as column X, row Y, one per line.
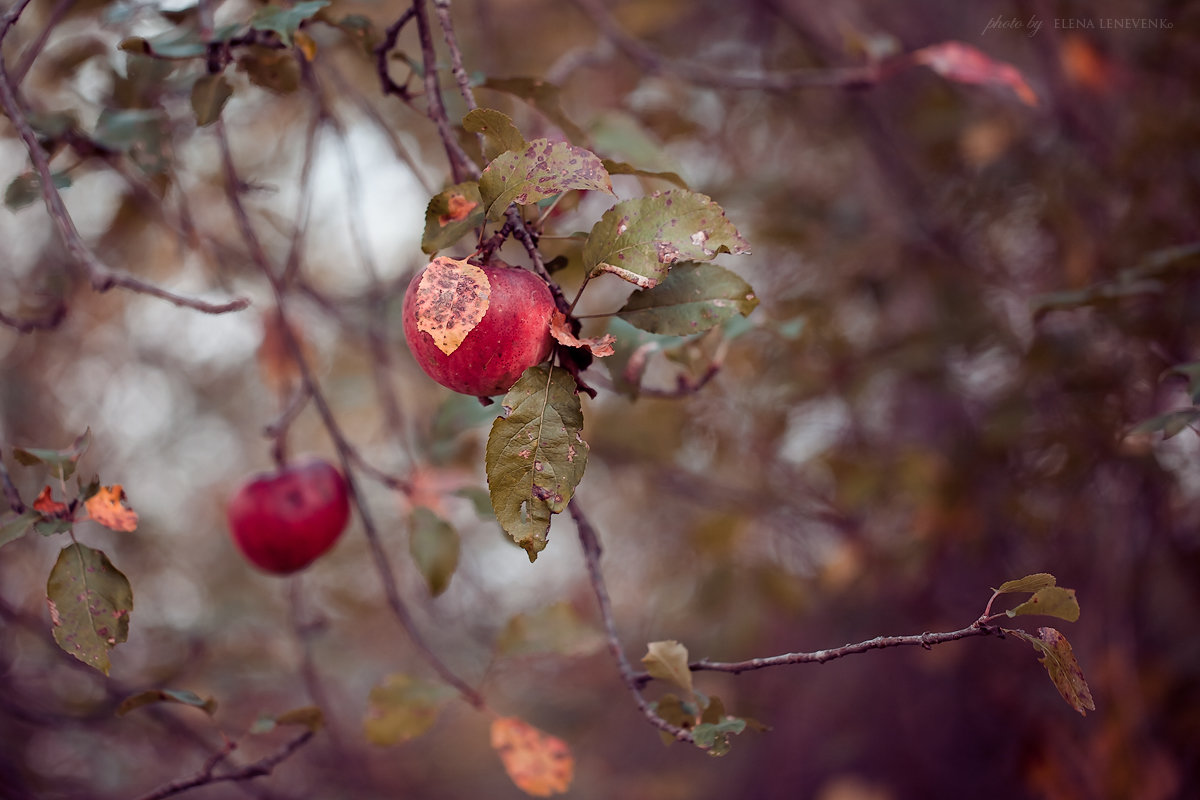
column 207, row 774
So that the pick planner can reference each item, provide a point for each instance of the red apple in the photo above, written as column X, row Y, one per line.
column 282, row 521
column 512, row 335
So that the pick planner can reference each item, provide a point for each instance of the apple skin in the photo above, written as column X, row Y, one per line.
column 282, row 521
column 513, row 335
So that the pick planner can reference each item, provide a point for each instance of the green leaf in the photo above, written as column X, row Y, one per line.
column 403, row 708
column 181, row 42
column 692, row 298
column 554, row 629
column 309, row 717
column 679, row 713
column 499, row 133
column 137, row 132
column 535, row 455
column 275, row 70
column 50, row 527
column 61, row 462
column 480, row 500
column 1060, row 663
column 542, row 169
column 1030, row 583
column 1050, row 601
column 90, row 602
column 210, row 93
column 357, row 27
column 622, row 168
column 640, row 239
column 184, row 697
column 17, row 527
column 450, row 215
column 1170, row 423
column 541, row 95
column 285, row 21
column 714, row 737
column 668, row 661
column 26, row 189
column 434, row 545
column 631, row 355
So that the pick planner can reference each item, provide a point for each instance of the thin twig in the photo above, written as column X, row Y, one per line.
column 461, row 165
column 442, row 7
column 346, row 452
column 381, row 56
column 925, row 640
column 44, row 323
column 206, row 775
column 31, row 52
column 591, row 556
column 10, row 491
column 717, row 77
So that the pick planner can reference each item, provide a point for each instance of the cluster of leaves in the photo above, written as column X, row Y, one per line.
column 89, row 599
column 270, row 45
column 661, row 243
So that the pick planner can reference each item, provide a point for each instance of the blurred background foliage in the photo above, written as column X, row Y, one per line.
column 965, row 311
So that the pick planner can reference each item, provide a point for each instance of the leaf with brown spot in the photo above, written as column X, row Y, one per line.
column 1050, row 601
column 47, row 504
column 108, row 508
column 535, row 454
column 452, row 298
column 539, row 764
column 963, row 63
column 90, row 602
column 560, row 329
column 451, row 215
column 542, row 169
column 691, row 299
column 640, row 239
column 1060, row 663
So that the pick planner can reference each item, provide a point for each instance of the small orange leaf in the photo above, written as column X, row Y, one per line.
column 559, row 328
column 107, row 507
column 963, row 63
column 452, row 298
column 539, row 764
column 458, row 207
column 306, row 44
column 278, row 367
column 47, row 504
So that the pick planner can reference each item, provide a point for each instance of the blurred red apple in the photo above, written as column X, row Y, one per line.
column 513, row 333
column 282, row 521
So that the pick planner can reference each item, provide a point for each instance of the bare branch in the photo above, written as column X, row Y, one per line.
column 721, row 78
column 925, row 640
column 346, row 451
column 461, row 165
column 10, row 491
column 44, row 323
column 591, row 556
column 442, row 7
column 101, row 277
column 207, row 776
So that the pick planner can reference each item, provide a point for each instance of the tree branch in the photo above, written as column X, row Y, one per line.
column 591, row 555
column 925, row 640
column 461, row 164
column 10, row 491
column 719, row 77
column 207, row 775
column 346, row 451
column 101, row 277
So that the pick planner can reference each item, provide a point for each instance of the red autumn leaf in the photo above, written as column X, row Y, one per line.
column 107, row 507
column 963, row 63
column 539, row 764
column 559, row 328
column 48, row 505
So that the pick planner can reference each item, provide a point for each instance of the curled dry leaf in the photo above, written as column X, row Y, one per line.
column 452, row 298
column 47, row 504
column 538, row 763
column 963, row 63
column 107, row 507
column 279, row 370
column 560, row 329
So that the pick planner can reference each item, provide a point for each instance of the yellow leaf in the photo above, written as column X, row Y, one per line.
column 306, row 44
column 108, row 508
column 452, row 298
column 539, row 764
